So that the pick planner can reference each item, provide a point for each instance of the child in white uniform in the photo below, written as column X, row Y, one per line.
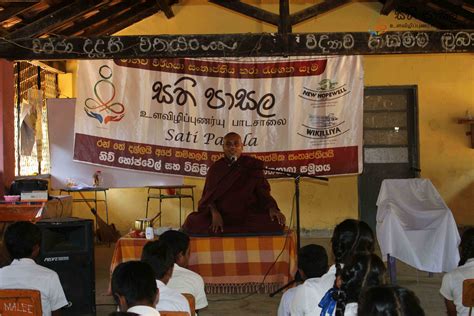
column 312, row 264
column 184, row 280
column 134, row 288
column 160, row 257
column 451, row 287
column 22, row 240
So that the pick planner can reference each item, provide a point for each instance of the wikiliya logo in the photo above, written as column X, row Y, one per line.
column 102, row 107
column 327, row 90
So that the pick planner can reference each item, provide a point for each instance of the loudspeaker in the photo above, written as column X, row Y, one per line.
column 67, row 248
column 28, row 185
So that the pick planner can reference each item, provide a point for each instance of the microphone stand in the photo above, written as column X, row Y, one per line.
column 296, row 176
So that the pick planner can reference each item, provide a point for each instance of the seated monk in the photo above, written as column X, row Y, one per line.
column 236, row 197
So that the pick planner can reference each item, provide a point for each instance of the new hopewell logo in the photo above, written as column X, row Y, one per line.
column 327, row 90
column 55, row 259
column 102, row 107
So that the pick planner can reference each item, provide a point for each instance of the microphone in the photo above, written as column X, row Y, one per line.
column 233, row 159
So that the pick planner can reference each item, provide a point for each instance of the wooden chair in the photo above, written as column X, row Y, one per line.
column 20, row 303
column 192, row 302
column 468, row 294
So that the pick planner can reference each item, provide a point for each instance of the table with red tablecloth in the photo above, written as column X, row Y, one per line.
column 230, row 264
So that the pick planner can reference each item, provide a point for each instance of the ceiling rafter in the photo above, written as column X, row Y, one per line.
column 13, row 10
column 166, row 8
column 284, row 21
column 3, row 32
column 442, row 14
column 137, row 13
column 36, row 12
column 55, row 19
column 388, row 7
column 316, row 10
column 249, row 10
column 437, row 17
column 459, row 11
column 88, row 25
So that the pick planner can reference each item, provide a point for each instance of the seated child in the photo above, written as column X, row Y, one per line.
column 22, row 240
column 312, row 264
column 389, row 300
column 134, row 288
column 160, row 258
column 349, row 237
column 360, row 272
column 451, row 286
column 184, row 280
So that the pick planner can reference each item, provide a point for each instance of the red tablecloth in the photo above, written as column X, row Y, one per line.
column 230, row 264
column 21, row 211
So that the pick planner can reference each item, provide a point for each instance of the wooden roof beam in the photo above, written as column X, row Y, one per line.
column 284, row 21
column 3, row 32
column 439, row 18
column 63, row 14
column 469, row 2
column 458, row 10
column 249, row 10
column 119, row 22
column 87, row 25
column 388, row 7
column 284, row 24
column 13, row 10
column 316, row 10
column 238, row 45
column 166, row 8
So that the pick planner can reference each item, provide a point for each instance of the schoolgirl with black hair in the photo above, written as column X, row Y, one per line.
column 349, row 237
column 360, row 272
column 389, row 300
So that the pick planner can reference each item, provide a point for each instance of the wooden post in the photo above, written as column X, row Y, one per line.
column 7, row 134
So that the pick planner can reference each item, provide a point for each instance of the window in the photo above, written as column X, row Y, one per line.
column 32, row 86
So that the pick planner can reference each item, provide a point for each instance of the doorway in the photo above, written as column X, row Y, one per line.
column 390, row 146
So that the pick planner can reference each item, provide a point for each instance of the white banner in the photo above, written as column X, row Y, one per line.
column 169, row 115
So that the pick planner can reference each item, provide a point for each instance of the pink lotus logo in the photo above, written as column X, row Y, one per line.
column 102, row 107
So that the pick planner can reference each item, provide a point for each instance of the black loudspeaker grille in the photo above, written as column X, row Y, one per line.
column 28, row 185
column 67, row 248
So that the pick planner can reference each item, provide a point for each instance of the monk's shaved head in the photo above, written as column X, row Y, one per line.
column 232, row 134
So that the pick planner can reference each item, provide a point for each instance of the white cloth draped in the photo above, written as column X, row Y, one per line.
column 416, row 226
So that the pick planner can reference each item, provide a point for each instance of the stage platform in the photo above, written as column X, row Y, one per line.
column 230, row 265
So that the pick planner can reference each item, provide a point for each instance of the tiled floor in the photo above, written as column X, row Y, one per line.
column 427, row 289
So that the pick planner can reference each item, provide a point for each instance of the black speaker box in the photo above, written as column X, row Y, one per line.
column 27, row 185
column 67, row 247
